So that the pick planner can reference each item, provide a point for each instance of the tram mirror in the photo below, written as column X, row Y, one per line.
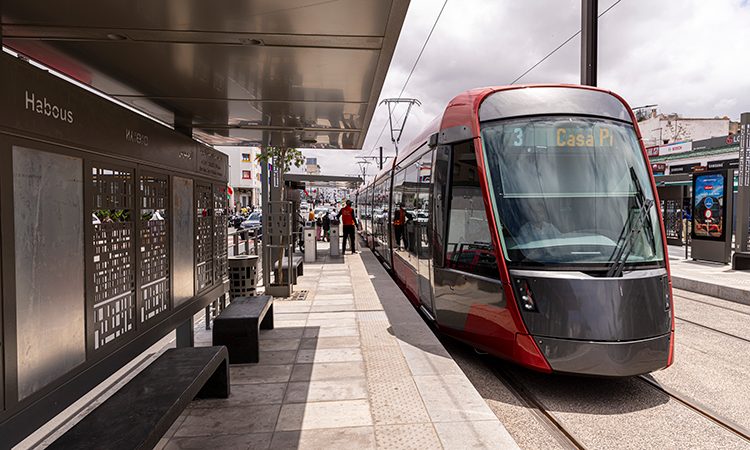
column 433, row 141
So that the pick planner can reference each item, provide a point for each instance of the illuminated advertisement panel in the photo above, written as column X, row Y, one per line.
column 709, row 202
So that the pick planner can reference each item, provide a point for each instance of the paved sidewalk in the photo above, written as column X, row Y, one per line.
column 353, row 365
column 708, row 278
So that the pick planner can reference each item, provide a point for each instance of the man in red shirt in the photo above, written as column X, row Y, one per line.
column 348, row 221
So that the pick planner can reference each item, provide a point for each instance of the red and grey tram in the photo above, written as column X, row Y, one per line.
column 524, row 221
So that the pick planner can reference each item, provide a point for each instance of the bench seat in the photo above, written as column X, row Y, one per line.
column 142, row 411
column 299, row 267
column 239, row 324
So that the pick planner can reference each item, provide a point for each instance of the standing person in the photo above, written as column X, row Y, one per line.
column 318, row 228
column 327, row 226
column 399, row 226
column 349, row 221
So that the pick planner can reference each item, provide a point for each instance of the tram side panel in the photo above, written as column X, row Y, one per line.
column 469, row 300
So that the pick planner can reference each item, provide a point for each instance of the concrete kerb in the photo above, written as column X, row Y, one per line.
column 730, row 293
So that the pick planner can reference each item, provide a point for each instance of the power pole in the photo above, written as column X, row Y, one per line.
column 381, row 157
column 398, row 128
column 589, row 39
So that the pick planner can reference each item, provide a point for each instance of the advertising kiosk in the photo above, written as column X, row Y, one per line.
column 712, row 216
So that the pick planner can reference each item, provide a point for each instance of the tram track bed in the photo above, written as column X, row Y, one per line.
column 701, row 401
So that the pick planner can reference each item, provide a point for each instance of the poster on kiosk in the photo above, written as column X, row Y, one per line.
column 712, row 216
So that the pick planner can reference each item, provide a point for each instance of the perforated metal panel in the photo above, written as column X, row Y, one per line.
column 204, row 220
column 154, row 248
column 113, row 258
column 220, row 233
column 672, row 219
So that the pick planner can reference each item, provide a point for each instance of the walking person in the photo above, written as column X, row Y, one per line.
column 318, row 229
column 349, row 222
column 327, row 227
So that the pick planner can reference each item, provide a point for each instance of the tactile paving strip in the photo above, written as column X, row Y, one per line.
column 396, row 402
column 372, row 316
column 374, row 333
column 385, row 363
column 407, row 437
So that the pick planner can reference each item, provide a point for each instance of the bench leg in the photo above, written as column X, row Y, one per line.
column 218, row 385
column 185, row 334
column 267, row 322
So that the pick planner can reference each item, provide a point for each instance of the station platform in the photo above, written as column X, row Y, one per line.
column 349, row 364
column 708, row 278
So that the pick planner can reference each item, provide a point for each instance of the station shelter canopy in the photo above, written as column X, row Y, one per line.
column 324, row 181
column 296, row 73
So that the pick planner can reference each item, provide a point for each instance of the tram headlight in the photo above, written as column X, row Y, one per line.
column 526, row 297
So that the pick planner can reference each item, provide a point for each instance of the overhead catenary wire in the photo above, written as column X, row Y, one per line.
column 413, row 67
column 561, row 45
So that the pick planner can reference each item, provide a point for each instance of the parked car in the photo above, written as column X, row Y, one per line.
column 253, row 224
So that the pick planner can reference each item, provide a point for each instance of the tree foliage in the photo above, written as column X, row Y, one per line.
column 282, row 157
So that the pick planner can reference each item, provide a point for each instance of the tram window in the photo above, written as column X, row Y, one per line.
column 410, row 201
column 469, row 247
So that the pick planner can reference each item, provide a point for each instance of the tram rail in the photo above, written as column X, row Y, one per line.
column 562, row 435
column 697, row 407
column 713, row 304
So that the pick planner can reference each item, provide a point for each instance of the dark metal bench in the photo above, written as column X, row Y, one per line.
column 741, row 261
column 139, row 414
column 299, row 264
column 238, row 327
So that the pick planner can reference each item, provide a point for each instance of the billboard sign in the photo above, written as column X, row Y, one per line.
column 709, row 201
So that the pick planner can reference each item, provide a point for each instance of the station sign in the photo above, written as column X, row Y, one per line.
column 47, row 107
column 652, row 151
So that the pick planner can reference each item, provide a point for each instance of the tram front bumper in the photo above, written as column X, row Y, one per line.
column 603, row 358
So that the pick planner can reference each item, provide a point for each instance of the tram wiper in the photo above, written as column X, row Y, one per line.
column 642, row 217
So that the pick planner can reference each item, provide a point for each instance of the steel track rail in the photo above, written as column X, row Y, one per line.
column 698, row 407
column 564, row 437
column 713, row 329
column 714, row 305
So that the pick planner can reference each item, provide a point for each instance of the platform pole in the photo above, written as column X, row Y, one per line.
column 589, row 41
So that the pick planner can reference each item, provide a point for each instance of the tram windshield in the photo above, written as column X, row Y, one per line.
column 570, row 191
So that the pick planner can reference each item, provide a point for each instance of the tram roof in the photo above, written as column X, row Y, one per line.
column 249, row 72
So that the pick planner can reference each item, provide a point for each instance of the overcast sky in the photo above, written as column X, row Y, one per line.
column 687, row 56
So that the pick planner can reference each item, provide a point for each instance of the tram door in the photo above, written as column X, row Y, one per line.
column 424, row 233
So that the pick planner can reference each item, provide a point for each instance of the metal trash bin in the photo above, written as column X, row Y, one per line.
column 335, row 245
column 243, row 275
column 311, row 245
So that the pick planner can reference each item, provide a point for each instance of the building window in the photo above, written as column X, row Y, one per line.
column 246, row 157
column 247, row 175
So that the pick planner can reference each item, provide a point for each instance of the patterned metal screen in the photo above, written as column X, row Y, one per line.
column 154, row 248
column 220, row 233
column 204, row 218
column 113, row 256
column 672, row 218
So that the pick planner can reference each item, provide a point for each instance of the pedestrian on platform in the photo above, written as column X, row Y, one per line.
column 318, row 229
column 349, row 222
column 327, row 227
